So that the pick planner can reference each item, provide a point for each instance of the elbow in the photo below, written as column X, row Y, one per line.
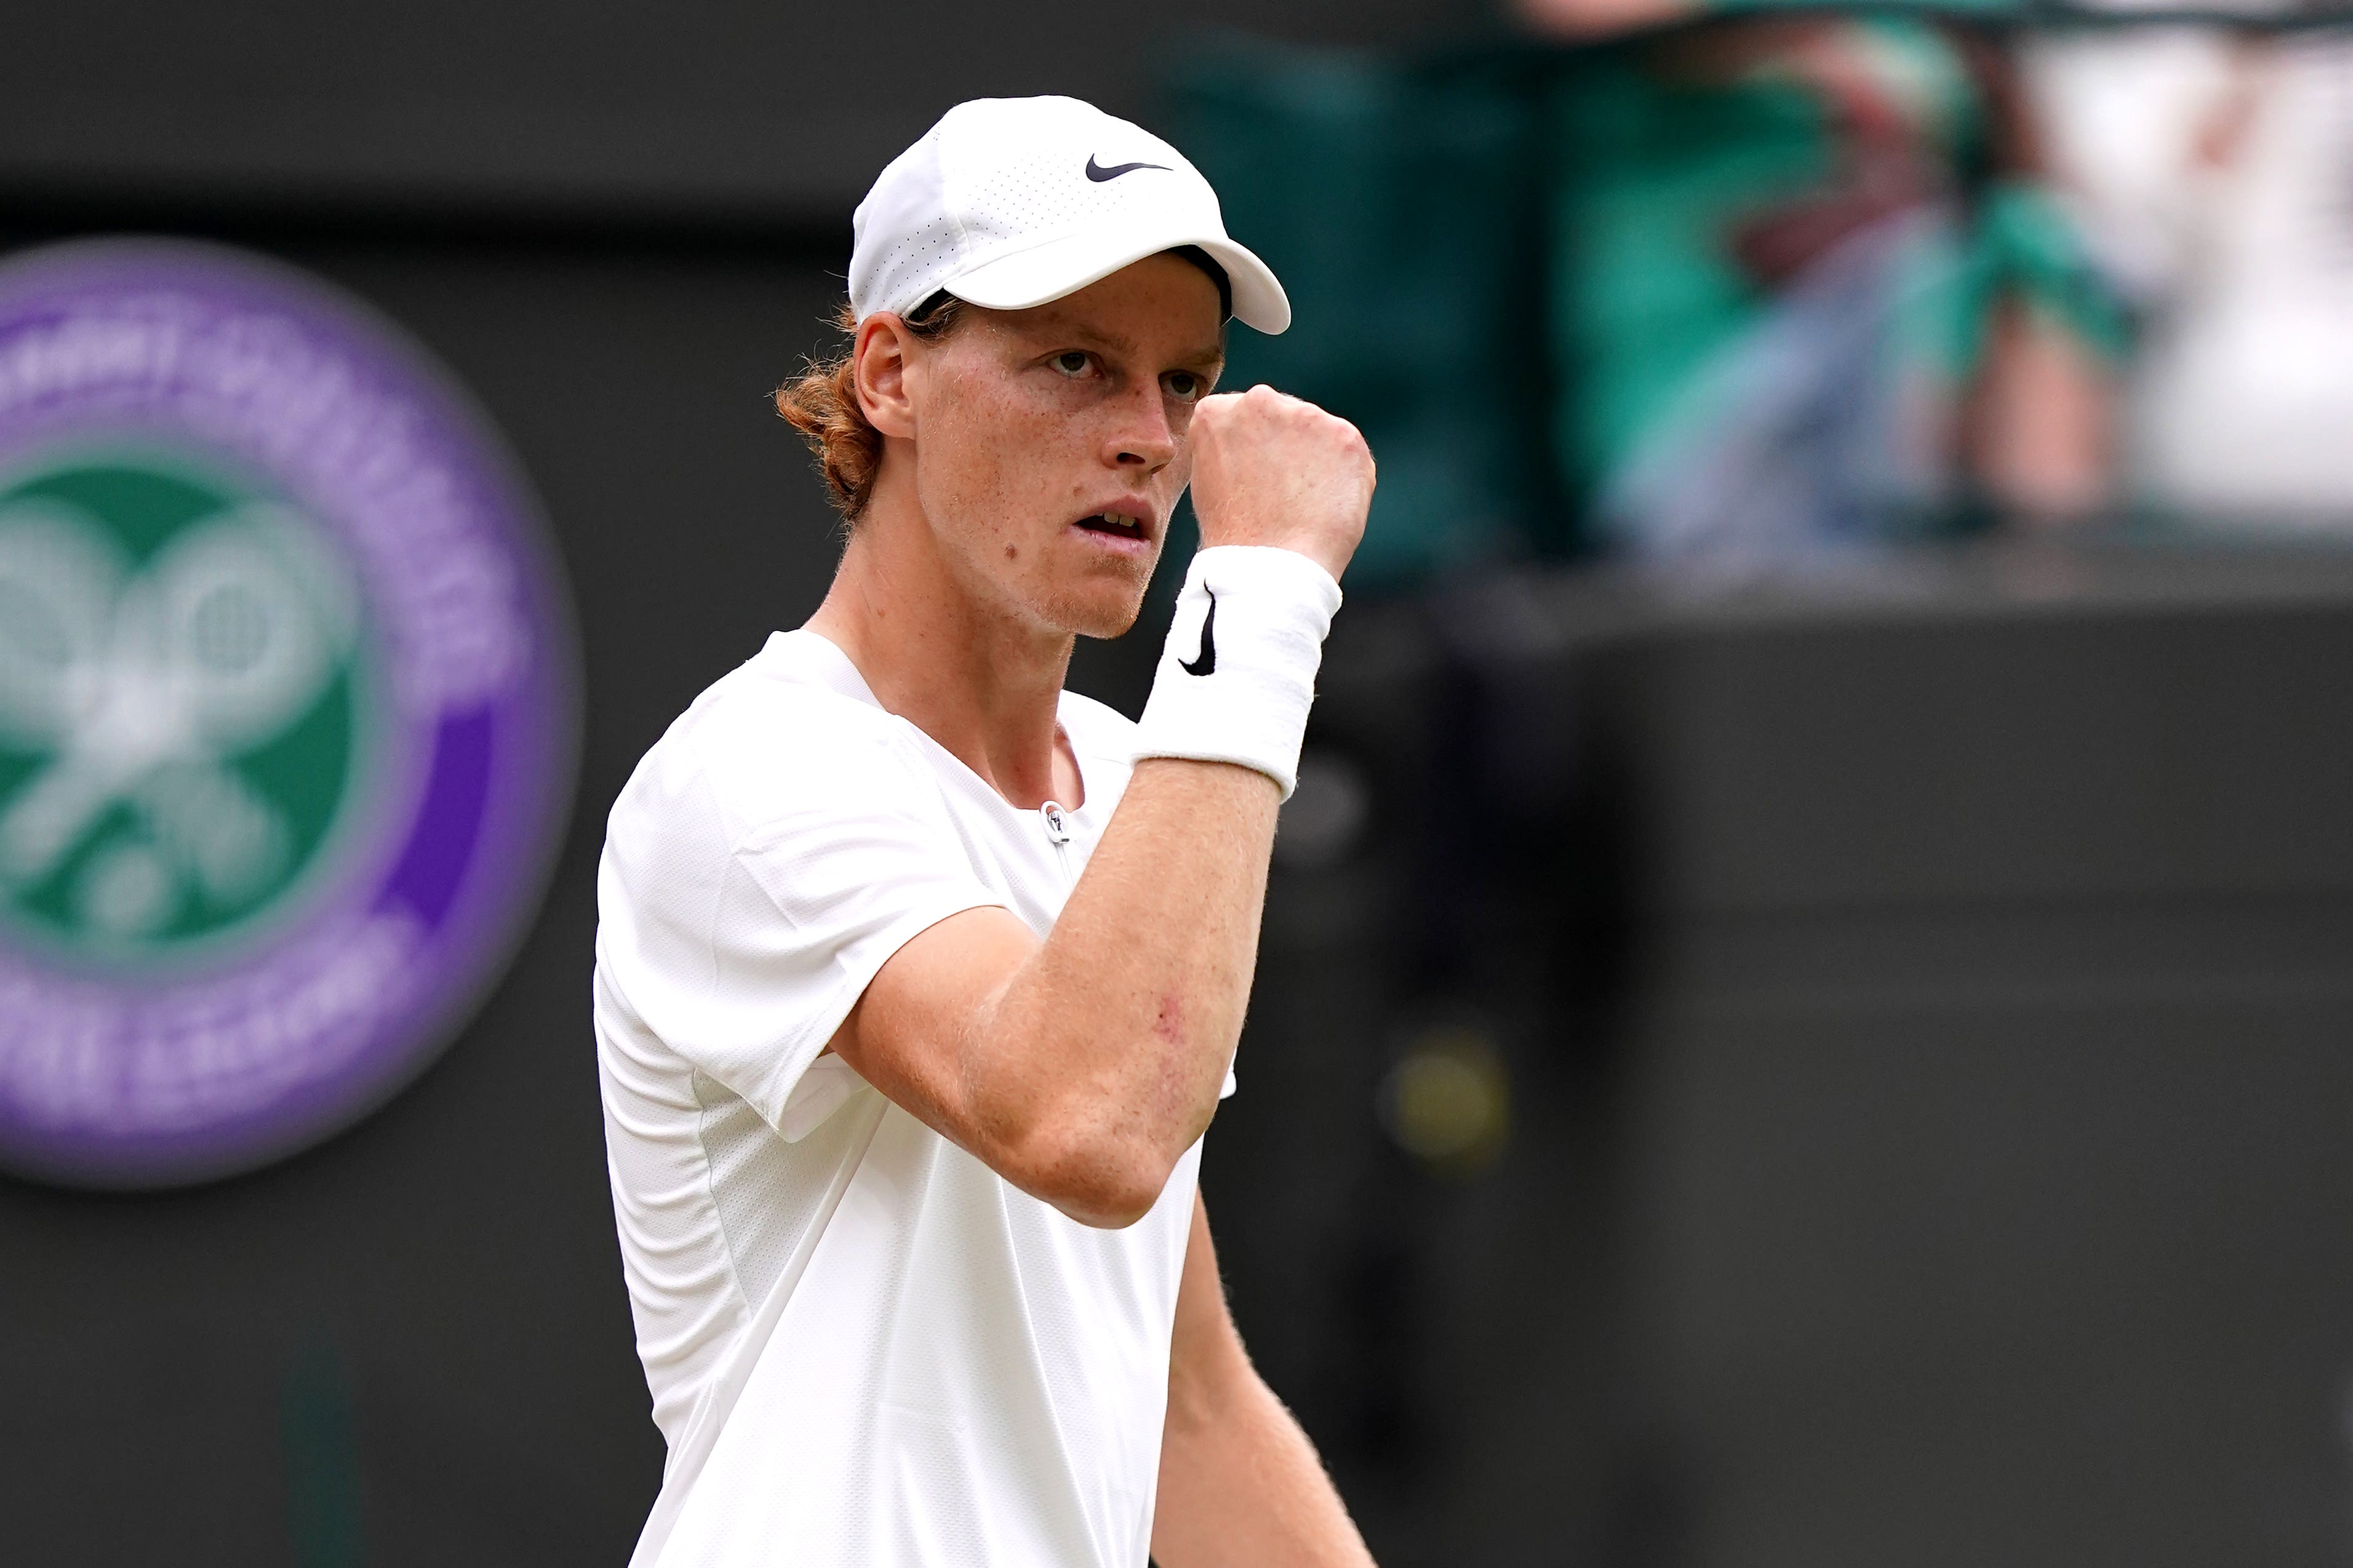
column 1103, row 1183
column 1111, row 1211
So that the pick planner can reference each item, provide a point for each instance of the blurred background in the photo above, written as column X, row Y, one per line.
column 1804, row 1009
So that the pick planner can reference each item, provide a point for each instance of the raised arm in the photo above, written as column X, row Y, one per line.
column 1082, row 1068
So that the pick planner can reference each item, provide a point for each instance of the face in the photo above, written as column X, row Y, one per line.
column 1049, row 445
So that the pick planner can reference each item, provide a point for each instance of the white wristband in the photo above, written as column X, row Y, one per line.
column 1239, row 672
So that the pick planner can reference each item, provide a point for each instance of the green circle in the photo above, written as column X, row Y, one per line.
column 179, row 850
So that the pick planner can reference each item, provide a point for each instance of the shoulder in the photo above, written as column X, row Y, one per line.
column 771, row 741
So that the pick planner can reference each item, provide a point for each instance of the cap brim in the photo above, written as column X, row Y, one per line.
column 1040, row 274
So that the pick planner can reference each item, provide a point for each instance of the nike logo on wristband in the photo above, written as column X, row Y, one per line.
column 1207, row 662
column 1098, row 173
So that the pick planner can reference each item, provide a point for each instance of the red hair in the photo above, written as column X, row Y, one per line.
column 821, row 403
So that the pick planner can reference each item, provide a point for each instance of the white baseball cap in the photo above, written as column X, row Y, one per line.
column 1013, row 202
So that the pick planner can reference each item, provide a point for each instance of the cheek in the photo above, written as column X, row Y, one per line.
column 971, row 461
column 1179, row 472
column 1019, row 462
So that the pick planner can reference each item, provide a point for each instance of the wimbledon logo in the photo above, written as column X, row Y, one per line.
column 286, row 712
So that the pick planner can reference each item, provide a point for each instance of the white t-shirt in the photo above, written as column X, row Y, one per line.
column 865, row 1348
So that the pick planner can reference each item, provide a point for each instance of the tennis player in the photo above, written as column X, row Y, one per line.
column 919, row 978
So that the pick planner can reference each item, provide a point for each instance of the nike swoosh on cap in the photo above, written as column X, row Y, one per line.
column 1098, row 173
column 1206, row 661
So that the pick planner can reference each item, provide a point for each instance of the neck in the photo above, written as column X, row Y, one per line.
column 979, row 677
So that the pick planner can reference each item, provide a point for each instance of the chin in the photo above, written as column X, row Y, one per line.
column 1106, row 610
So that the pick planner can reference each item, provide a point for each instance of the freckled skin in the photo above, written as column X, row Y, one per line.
column 1010, row 448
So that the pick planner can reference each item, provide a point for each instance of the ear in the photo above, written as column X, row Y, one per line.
column 881, row 349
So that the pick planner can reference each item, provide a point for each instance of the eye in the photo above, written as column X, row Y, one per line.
column 1184, row 384
column 1072, row 363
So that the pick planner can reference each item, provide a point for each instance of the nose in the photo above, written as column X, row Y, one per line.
column 1141, row 436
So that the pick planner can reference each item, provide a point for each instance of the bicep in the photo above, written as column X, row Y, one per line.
column 916, row 1032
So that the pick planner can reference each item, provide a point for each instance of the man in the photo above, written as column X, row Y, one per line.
column 918, row 978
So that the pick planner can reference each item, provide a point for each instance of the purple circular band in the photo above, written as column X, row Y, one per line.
column 127, row 1076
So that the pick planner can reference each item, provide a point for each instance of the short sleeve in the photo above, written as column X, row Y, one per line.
column 748, row 896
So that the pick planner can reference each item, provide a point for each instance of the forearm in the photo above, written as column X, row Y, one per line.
column 1244, row 1487
column 1134, row 1005
column 1082, row 1068
column 1116, row 1033
column 1248, row 1491
column 1240, row 1483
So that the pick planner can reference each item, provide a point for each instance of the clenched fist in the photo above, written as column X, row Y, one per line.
column 1272, row 469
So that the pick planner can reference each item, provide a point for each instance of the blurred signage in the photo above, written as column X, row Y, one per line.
column 287, row 710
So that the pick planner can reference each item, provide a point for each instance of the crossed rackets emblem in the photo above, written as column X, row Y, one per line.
column 137, row 685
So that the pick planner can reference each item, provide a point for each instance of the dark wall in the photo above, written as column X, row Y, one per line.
column 1986, row 1155
column 712, row 109
column 1974, row 1060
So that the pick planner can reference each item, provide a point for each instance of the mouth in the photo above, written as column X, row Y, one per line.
column 1116, row 523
